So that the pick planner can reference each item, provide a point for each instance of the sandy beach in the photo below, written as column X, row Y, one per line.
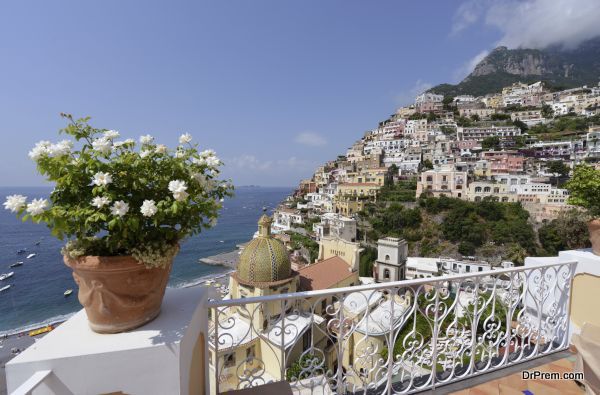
column 6, row 345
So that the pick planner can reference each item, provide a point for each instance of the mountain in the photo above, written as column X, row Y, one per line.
column 558, row 67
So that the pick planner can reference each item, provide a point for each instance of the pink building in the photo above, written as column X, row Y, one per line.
column 504, row 161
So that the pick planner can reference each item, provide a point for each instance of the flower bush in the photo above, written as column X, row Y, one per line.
column 122, row 197
column 584, row 188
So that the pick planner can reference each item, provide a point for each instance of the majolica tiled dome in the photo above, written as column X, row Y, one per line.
column 264, row 259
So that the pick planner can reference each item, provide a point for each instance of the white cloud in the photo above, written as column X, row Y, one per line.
column 295, row 163
column 408, row 96
column 249, row 162
column 468, row 66
column 533, row 23
column 311, row 139
column 467, row 14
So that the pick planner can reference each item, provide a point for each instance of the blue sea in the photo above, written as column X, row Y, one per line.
column 36, row 296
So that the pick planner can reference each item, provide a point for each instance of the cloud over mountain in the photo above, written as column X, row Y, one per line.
column 533, row 23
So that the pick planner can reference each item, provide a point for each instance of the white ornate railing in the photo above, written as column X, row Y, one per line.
column 440, row 330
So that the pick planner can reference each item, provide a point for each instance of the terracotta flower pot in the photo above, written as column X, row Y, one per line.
column 594, row 229
column 117, row 292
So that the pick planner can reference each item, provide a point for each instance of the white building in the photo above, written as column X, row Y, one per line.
column 479, row 133
column 286, row 218
column 335, row 225
column 391, row 259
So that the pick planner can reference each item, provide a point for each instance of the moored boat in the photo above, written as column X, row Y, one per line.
column 6, row 275
column 21, row 251
column 68, row 292
column 5, row 288
column 16, row 264
column 39, row 331
column 31, row 256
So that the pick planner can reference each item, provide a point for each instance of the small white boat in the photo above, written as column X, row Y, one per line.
column 31, row 256
column 6, row 275
column 68, row 292
column 5, row 288
column 221, row 241
column 16, row 264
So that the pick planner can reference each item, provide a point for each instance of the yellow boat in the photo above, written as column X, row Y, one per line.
column 39, row 331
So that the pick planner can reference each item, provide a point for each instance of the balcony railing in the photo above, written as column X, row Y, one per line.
column 391, row 338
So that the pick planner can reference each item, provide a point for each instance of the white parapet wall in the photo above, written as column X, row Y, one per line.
column 585, row 289
column 166, row 356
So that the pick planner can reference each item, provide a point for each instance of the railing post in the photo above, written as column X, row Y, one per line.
column 216, row 349
column 283, row 313
column 435, row 335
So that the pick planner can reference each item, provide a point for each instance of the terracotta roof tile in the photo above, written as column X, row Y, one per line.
column 324, row 274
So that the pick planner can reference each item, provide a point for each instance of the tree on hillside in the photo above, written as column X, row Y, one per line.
column 426, row 165
column 521, row 125
column 492, row 142
column 392, row 172
column 547, row 111
column 558, row 169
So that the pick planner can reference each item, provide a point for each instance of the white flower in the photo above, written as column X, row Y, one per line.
column 39, row 150
column 61, row 148
column 37, row 206
column 213, row 222
column 100, row 201
column 185, row 138
column 101, row 179
column 180, row 196
column 199, row 161
column 146, row 139
column 148, row 208
column 207, row 153
column 201, row 178
column 118, row 144
column 102, row 145
column 179, row 153
column 129, row 141
column 119, row 208
column 178, row 188
column 212, row 161
column 145, row 153
column 111, row 134
column 15, row 202
column 160, row 149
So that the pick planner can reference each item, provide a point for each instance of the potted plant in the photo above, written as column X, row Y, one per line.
column 124, row 207
column 584, row 188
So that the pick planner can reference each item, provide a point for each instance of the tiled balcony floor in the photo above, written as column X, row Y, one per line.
column 508, row 381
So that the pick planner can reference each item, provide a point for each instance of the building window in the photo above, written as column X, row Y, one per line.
column 250, row 353
column 496, row 190
column 306, row 340
column 487, row 189
column 229, row 360
column 477, row 189
column 386, row 274
column 468, row 268
column 387, row 257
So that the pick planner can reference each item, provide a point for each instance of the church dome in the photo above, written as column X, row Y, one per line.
column 265, row 259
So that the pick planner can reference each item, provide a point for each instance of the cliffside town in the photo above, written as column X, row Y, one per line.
column 476, row 180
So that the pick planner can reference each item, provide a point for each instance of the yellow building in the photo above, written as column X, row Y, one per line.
column 249, row 335
column 347, row 250
column 359, row 189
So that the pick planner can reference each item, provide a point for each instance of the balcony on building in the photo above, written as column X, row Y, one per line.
column 470, row 331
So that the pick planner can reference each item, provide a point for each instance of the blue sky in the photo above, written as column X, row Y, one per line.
column 275, row 87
